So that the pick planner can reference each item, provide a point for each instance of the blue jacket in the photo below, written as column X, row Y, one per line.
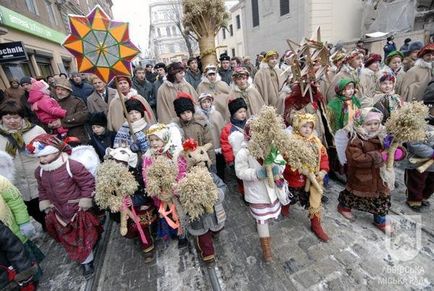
column 82, row 90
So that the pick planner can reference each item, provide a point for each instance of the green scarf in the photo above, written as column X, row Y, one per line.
column 15, row 139
column 339, row 118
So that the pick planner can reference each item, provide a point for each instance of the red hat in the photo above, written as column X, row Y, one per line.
column 45, row 144
column 429, row 48
column 353, row 54
column 126, row 78
column 372, row 58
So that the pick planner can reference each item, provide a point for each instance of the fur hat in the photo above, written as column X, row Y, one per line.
column 122, row 154
column 236, row 104
column 63, row 83
column 98, row 118
column 182, row 103
column 134, row 104
column 126, row 78
column 429, row 48
column 224, row 57
column 45, row 144
column 173, row 69
column 392, row 55
column 372, row 58
column 25, row 80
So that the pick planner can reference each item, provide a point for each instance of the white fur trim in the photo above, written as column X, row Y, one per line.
column 85, row 203
column 421, row 63
column 7, row 167
column 45, row 204
column 56, row 164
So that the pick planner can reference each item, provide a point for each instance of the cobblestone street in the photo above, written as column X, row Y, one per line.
column 357, row 257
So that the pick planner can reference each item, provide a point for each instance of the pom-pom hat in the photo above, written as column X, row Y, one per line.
column 45, row 144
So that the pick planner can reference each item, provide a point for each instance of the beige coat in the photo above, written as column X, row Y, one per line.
column 268, row 82
column 165, row 97
column 116, row 116
column 95, row 103
column 251, row 96
column 220, row 91
column 25, row 165
column 368, row 84
column 415, row 81
column 216, row 122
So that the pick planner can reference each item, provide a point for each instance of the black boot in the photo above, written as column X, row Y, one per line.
column 88, row 270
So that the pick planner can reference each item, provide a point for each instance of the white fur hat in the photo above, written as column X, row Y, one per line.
column 122, row 154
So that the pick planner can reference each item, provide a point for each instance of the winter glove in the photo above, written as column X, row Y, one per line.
column 399, row 154
column 275, row 170
column 27, row 229
column 135, row 148
column 261, row 173
column 387, row 141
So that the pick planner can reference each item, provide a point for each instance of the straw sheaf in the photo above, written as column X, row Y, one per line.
column 300, row 156
column 113, row 183
column 161, row 178
column 198, row 193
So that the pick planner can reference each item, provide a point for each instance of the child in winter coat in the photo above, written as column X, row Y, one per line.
column 101, row 137
column 263, row 200
column 46, row 108
column 303, row 126
column 387, row 101
column 420, row 186
column 66, row 189
column 341, row 109
column 367, row 188
column 216, row 123
column 393, row 65
column 136, row 117
column 164, row 141
column 142, row 203
column 232, row 135
column 193, row 126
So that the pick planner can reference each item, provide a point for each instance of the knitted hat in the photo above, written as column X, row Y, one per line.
column 392, row 55
column 239, row 72
column 387, row 77
column 429, row 48
column 98, row 118
column 224, row 57
column 415, row 46
column 270, row 54
column 63, row 83
column 134, row 104
column 236, row 104
column 45, row 144
column 182, row 103
column 123, row 78
column 372, row 58
column 25, row 80
column 160, row 65
column 205, row 96
column 342, row 84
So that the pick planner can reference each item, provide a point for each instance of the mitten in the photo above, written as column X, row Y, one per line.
column 261, row 173
column 275, row 170
column 27, row 229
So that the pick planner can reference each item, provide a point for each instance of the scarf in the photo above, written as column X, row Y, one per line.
column 139, row 125
column 15, row 138
column 238, row 123
column 343, row 110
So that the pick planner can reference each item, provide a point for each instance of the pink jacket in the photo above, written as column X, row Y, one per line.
column 48, row 109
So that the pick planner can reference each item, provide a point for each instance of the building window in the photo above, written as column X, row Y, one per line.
column 51, row 14
column 174, row 32
column 168, row 31
column 31, row 5
column 233, row 52
column 158, row 32
column 284, row 7
column 255, row 13
column 231, row 30
column 224, row 33
column 238, row 21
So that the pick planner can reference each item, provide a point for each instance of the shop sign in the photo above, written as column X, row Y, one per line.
column 12, row 51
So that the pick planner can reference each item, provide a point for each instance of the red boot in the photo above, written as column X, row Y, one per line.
column 285, row 210
column 317, row 229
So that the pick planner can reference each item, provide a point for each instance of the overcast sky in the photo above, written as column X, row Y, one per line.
column 136, row 12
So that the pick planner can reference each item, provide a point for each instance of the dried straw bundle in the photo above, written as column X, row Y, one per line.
column 299, row 155
column 161, row 179
column 406, row 124
column 113, row 183
column 197, row 192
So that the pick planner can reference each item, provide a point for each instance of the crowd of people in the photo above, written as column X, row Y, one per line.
column 171, row 110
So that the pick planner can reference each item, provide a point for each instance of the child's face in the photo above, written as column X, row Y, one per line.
column 387, row 86
column 212, row 77
column 45, row 160
column 372, row 126
column 134, row 115
column 155, row 142
column 186, row 115
column 357, row 61
column 395, row 63
column 348, row 91
column 272, row 61
column 375, row 66
column 179, row 76
column 98, row 129
column 241, row 114
column 306, row 129
column 241, row 82
column 206, row 104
